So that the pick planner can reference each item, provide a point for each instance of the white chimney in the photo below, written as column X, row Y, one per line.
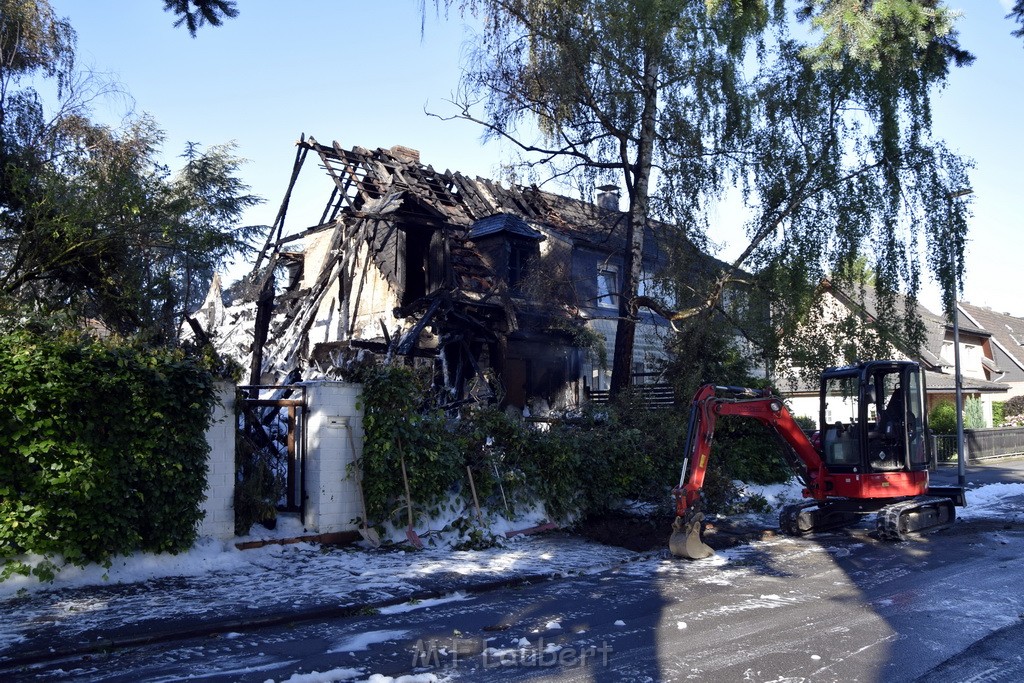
column 608, row 197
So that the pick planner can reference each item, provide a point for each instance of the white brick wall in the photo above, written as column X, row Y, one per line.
column 334, row 439
column 219, row 519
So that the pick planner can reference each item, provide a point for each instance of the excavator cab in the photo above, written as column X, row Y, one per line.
column 873, row 418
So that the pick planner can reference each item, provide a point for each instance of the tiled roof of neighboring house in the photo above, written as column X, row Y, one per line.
column 864, row 303
column 935, row 326
column 937, row 382
column 941, row 382
column 1007, row 338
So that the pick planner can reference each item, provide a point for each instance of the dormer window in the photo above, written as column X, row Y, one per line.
column 510, row 245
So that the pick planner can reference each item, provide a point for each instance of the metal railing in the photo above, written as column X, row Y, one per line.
column 650, row 395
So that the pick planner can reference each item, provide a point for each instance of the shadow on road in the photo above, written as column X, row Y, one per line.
column 836, row 606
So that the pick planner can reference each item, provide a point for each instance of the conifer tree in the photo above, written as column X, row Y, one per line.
column 92, row 224
column 212, row 12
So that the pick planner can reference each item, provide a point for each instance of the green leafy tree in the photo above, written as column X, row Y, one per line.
column 829, row 142
column 92, row 224
column 618, row 89
column 878, row 33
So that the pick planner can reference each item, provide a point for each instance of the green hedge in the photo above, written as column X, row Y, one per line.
column 587, row 464
column 102, row 449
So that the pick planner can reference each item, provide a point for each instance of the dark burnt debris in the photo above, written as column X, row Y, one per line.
column 509, row 293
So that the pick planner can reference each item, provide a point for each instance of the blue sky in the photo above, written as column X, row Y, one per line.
column 362, row 74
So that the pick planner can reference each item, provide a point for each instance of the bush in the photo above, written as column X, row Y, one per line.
column 1009, row 413
column 997, row 414
column 1014, row 407
column 399, row 429
column 942, row 418
column 102, row 449
column 587, row 463
column 806, row 422
column 750, row 451
column 258, row 486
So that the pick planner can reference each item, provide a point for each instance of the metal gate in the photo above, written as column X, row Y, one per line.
column 272, row 421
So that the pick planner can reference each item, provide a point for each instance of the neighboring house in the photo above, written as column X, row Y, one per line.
column 938, row 356
column 840, row 308
column 508, row 292
column 1004, row 353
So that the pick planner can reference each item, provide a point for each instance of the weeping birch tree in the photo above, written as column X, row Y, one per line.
column 827, row 138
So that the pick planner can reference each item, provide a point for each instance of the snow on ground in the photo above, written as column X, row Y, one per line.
column 989, row 500
column 539, row 554
column 215, row 578
column 523, row 554
column 333, row 676
column 212, row 556
column 363, row 641
column 458, row 596
column 776, row 495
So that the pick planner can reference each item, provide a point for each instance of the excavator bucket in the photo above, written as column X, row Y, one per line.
column 685, row 540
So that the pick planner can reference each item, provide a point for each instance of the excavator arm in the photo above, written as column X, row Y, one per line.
column 710, row 403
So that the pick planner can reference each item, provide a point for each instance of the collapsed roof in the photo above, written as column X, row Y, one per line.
column 409, row 260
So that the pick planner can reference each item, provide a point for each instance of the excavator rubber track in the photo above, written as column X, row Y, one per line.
column 811, row 516
column 915, row 517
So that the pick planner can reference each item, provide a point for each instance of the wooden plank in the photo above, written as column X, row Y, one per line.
column 274, row 402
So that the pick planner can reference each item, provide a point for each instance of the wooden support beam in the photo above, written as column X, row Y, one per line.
column 274, row 236
column 264, row 312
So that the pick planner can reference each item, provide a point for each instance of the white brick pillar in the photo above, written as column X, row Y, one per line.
column 218, row 507
column 334, row 438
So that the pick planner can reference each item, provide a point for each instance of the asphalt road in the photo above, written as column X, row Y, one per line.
column 977, row 474
column 836, row 607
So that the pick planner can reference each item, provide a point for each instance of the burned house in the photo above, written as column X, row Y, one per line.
column 510, row 293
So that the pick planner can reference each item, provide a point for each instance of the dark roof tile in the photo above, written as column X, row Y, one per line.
column 503, row 222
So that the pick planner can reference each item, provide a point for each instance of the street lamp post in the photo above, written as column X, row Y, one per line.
column 961, row 457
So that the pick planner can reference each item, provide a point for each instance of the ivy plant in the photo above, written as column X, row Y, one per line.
column 103, row 449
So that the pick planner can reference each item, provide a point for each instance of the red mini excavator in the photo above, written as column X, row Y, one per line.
column 872, row 455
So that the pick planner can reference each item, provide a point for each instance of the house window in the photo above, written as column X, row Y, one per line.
column 947, row 352
column 519, row 258
column 607, row 286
